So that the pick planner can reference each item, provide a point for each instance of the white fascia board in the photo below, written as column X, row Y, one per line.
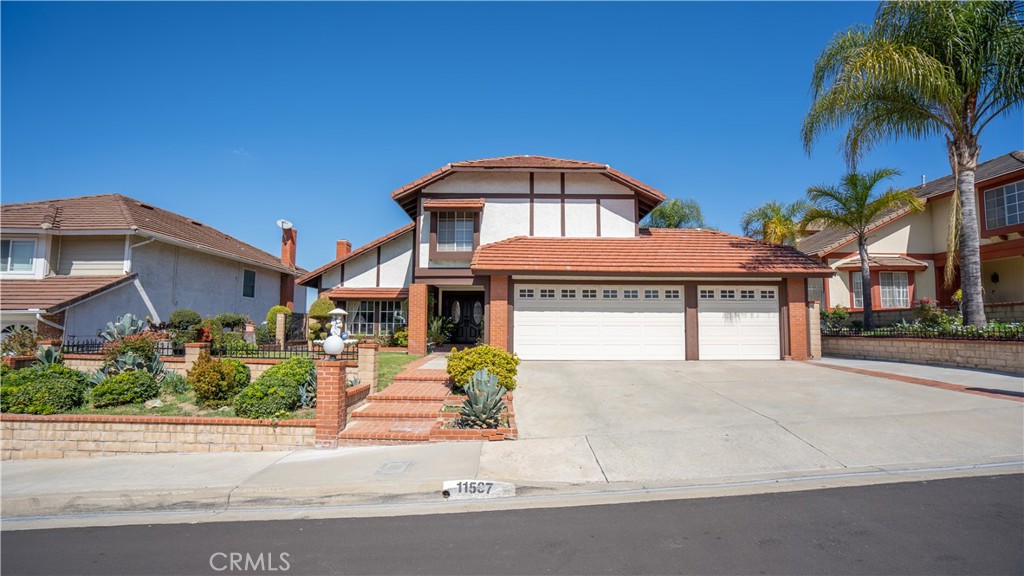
column 628, row 279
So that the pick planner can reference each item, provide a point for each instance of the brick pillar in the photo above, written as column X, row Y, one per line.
column 279, row 330
column 814, row 327
column 330, row 402
column 498, row 329
column 796, row 298
column 43, row 345
column 192, row 352
column 367, row 372
column 418, row 314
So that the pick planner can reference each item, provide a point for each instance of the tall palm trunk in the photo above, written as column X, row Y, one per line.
column 964, row 160
column 865, row 281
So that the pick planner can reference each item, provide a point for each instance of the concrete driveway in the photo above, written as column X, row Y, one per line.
column 651, row 422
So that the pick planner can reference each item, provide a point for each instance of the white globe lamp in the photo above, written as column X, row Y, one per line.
column 334, row 344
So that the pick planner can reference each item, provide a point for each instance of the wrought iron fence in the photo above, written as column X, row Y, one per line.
column 82, row 346
column 992, row 333
column 277, row 353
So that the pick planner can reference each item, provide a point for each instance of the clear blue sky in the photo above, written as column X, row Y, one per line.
column 238, row 114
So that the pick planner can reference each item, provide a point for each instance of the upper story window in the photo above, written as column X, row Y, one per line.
column 1004, row 206
column 454, row 231
column 248, row 283
column 17, row 255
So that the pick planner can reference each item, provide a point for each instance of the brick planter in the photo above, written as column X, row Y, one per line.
column 441, row 434
column 980, row 354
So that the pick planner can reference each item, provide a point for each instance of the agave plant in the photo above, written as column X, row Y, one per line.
column 49, row 355
column 126, row 325
column 484, row 404
column 307, row 390
column 133, row 361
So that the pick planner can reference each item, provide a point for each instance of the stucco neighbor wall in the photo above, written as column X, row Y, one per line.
column 1010, row 287
column 995, row 356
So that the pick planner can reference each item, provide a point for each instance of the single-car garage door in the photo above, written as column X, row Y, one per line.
column 738, row 322
column 598, row 322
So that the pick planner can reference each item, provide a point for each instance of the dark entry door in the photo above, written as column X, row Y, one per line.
column 466, row 310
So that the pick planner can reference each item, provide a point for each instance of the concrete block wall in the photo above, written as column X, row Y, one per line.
column 1005, row 357
column 814, row 327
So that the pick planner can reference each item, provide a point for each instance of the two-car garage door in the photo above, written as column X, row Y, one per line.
column 643, row 322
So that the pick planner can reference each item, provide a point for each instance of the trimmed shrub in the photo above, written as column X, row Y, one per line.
column 240, row 373
column 264, row 335
column 231, row 321
column 214, row 381
column 267, row 397
column 174, row 383
column 126, row 388
column 462, row 365
column 320, row 308
column 274, row 311
column 143, row 345
column 42, row 390
column 294, row 370
column 401, row 337
column 183, row 319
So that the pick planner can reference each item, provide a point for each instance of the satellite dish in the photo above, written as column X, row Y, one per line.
column 284, row 224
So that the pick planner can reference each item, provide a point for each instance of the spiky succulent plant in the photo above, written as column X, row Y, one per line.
column 484, row 404
column 126, row 325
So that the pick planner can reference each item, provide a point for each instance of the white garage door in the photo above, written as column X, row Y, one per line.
column 738, row 322
column 591, row 322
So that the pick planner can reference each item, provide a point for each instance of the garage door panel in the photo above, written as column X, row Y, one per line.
column 735, row 328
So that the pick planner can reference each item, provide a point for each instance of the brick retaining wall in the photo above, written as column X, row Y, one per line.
column 985, row 355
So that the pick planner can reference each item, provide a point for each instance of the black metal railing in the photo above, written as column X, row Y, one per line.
column 82, row 346
column 277, row 353
column 992, row 333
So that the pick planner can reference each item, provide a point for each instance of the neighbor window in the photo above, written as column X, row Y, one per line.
column 454, row 232
column 610, row 294
column 652, row 294
column 248, row 283
column 17, row 255
column 362, row 320
column 672, row 294
column 1004, row 206
column 391, row 315
column 547, row 293
column 589, row 293
column 858, row 290
column 895, row 289
column 630, row 294
column 568, row 293
column 526, row 292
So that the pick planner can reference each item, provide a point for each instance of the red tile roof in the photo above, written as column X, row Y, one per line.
column 55, row 292
column 305, row 279
column 121, row 214
column 651, row 195
column 674, row 252
column 438, row 204
column 890, row 262
column 368, row 293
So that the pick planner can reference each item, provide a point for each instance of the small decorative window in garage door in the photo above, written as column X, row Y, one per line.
column 598, row 322
column 738, row 322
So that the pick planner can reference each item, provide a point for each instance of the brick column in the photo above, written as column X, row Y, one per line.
column 367, row 371
column 814, row 327
column 43, row 345
column 192, row 352
column 796, row 298
column 418, row 314
column 498, row 328
column 330, row 402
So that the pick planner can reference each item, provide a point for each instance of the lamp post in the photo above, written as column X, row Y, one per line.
column 335, row 344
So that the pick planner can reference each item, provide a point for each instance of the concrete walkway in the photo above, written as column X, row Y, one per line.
column 590, row 428
column 966, row 377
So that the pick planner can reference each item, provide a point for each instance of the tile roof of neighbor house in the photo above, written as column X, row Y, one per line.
column 368, row 293
column 55, row 293
column 891, row 262
column 652, row 195
column 119, row 213
column 828, row 239
column 658, row 251
column 306, row 278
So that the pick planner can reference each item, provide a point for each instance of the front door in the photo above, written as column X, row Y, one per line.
column 466, row 310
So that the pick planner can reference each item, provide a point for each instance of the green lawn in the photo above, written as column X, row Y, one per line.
column 389, row 364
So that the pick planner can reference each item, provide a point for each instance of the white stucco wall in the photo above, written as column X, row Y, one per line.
column 590, row 183
column 331, row 278
column 617, row 218
column 580, row 217
column 547, row 217
column 547, row 183
column 361, row 271
column 482, row 183
column 504, row 218
column 1010, row 287
column 909, row 234
column 396, row 262
column 838, row 287
column 423, row 239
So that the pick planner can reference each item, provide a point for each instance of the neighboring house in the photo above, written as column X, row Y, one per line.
column 71, row 265
column 907, row 250
column 545, row 257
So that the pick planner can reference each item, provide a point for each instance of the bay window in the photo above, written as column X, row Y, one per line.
column 895, row 289
column 1004, row 206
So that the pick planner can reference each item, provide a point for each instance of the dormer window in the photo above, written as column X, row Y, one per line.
column 455, row 231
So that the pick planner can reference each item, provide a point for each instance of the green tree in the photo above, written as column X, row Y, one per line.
column 920, row 70
column 675, row 213
column 774, row 222
column 853, row 205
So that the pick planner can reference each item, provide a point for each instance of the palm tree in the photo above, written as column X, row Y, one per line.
column 774, row 222
column 675, row 213
column 923, row 69
column 854, row 206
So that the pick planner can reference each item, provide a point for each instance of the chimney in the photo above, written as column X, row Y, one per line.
column 342, row 249
column 288, row 237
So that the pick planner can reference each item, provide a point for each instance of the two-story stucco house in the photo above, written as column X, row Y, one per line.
column 71, row 265
column 545, row 257
column 907, row 250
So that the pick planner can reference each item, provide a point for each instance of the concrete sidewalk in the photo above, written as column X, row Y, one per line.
column 966, row 377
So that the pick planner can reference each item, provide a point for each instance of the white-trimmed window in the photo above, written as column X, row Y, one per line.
column 630, row 294
column 547, row 293
column 652, row 294
column 858, row 290
column 391, row 315
column 569, row 293
column 727, row 294
column 671, row 294
column 767, row 294
column 526, row 293
column 895, row 289
column 1004, row 206
column 248, row 283
column 610, row 294
column 454, row 232
column 707, row 294
column 17, row 255
column 362, row 320
column 746, row 294
column 589, row 293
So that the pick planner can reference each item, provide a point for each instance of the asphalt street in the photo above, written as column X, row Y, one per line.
column 958, row 526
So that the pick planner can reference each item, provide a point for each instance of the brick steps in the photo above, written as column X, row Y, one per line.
column 404, row 412
column 398, row 410
column 388, row 430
